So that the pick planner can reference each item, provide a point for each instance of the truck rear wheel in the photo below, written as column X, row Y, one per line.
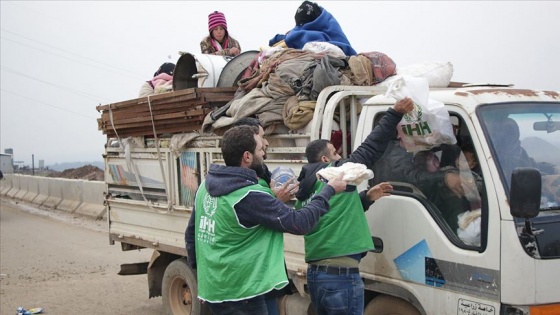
column 390, row 305
column 180, row 291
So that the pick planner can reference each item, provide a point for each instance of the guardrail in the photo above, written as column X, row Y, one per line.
column 71, row 195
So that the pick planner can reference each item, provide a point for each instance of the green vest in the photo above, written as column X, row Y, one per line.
column 263, row 183
column 340, row 232
column 234, row 262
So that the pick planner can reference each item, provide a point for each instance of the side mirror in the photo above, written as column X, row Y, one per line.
column 525, row 193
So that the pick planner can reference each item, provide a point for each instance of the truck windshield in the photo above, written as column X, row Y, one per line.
column 526, row 135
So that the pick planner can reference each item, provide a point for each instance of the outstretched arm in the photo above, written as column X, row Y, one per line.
column 376, row 142
column 260, row 208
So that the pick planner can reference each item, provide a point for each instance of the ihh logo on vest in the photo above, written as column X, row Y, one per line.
column 210, row 204
column 207, row 224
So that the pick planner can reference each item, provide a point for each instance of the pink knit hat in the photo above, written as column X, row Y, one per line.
column 216, row 19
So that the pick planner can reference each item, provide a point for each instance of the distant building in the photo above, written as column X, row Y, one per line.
column 6, row 163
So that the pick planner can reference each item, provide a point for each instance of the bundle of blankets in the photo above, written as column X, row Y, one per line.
column 281, row 86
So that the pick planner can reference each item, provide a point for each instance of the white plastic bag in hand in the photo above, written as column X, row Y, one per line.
column 428, row 124
column 353, row 173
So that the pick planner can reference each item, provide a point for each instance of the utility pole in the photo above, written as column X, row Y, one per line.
column 33, row 164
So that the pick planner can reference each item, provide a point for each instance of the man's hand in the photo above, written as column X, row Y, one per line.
column 404, row 106
column 285, row 192
column 337, row 183
column 379, row 190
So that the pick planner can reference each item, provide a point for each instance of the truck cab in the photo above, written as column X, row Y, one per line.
column 447, row 254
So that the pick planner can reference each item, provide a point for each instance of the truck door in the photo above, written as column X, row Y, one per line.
column 436, row 241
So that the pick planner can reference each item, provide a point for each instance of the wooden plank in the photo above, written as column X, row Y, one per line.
column 127, row 115
column 157, row 118
column 147, row 123
column 185, row 94
column 177, row 111
column 144, row 111
column 154, row 99
column 143, row 132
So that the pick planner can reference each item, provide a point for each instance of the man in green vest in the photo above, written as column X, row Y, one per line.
column 238, row 228
column 334, row 248
column 283, row 193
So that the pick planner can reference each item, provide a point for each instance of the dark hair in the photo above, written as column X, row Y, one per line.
column 248, row 121
column 420, row 159
column 449, row 155
column 166, row 67
column 236, row 141
column 315, row 149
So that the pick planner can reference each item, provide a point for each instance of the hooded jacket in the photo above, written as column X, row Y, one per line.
column 257, row 208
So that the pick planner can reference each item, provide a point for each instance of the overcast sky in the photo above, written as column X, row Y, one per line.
column 60, row 59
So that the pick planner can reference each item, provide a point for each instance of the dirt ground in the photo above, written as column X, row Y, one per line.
column 65, row 264
column 87, row 172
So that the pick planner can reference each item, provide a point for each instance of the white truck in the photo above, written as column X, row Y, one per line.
column 508, row 262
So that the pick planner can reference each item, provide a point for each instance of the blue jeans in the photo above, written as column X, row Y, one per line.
column 334, row 294
column 254, row 306
column 272, row 306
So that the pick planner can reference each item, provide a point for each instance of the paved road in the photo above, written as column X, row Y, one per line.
column 65, row 264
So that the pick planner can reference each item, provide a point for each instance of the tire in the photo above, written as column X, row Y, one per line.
column 180, row 290
column 390, row 305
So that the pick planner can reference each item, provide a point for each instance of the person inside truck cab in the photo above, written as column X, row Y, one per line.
column 219, row 42
column 505, row 137
column 235, row 233
column 396, row 165
column 449, row 204
column 335, row 247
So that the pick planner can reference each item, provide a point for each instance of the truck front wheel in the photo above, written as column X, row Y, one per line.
column 390, row 305
column 180, row 291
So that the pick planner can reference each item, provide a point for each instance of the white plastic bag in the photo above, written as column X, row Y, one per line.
column 469, row 227
column 438, row 73
column 353, row 173
column 324, row 47
column 428, row 124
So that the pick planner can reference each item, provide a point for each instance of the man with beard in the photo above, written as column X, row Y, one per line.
column 238, row 228
column 285, row 192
